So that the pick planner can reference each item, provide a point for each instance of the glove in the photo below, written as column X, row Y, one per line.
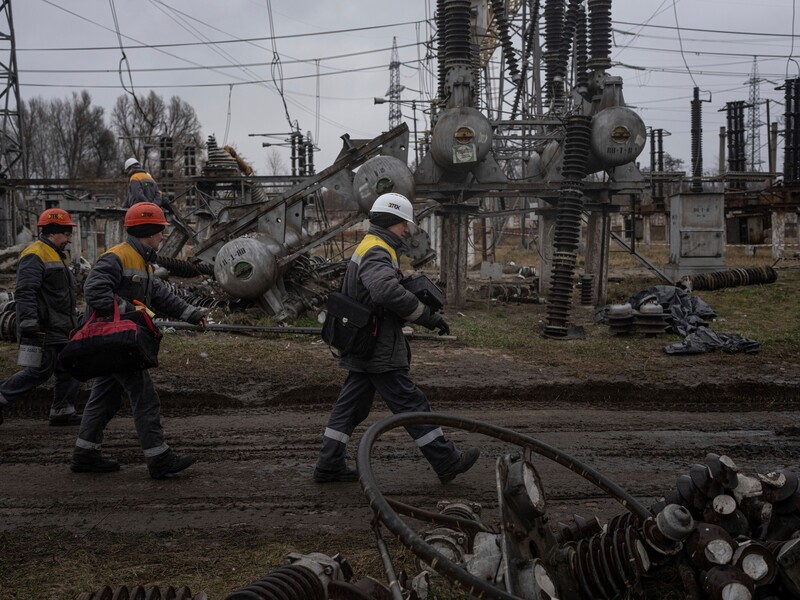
column 434, row 320
column 198, row 316
column 439, row 323
column 30, row 331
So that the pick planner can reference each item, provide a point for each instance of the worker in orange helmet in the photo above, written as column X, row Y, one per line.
column 45, row 304
column 125, row 274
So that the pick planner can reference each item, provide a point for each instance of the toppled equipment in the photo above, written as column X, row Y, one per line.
column 687, row 316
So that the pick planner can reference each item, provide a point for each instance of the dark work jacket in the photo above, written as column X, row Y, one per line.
column 125, row 271
column 142, row 188
column 373, row 278
column 45, row 292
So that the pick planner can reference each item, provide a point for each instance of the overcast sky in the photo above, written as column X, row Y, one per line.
column 231, row 85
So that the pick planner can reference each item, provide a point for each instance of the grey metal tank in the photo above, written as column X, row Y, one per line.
column 461, row 139
column 618, row 137
column 247, row 267
column 381, row 175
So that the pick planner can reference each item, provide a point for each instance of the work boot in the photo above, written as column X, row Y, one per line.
column 62, row 420
column 91, row 461
column 169, row 463
column 464, row 464
column 343, row 474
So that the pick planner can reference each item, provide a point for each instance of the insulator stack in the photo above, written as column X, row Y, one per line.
column 568, row 223
column 733, row 278
column 600, row 34
column 220, row 163
column 791, row 152
column 734, row 112
column 581, row 51
column 570, row 26
column 8, row 325
column 441, row 36
column 178, row 267
column 290, row 582
column 621, row 319
column 697, row 142
column 458, row 50
column 142, row 593
column 580, row 528
column 500, row 19
column 509, row 292
column 205, row 268
column 554, row 29
column 611, row 562
column 650, row 319
column 587, row 289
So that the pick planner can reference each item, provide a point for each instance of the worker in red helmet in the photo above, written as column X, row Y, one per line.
column 125, row 274
column 45, row 304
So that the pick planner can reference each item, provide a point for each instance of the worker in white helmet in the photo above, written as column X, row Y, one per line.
column 373, row 279
column 142, row 187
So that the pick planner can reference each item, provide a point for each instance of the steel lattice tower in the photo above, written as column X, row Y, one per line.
column 12, row 162
column 393, row 93
column 754, row 161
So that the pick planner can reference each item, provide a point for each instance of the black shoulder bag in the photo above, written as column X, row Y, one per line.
column 350, row 328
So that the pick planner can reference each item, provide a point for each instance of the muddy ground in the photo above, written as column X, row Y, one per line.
column 255, row 422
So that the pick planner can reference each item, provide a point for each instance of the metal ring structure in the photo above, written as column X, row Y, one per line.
column 477, row 588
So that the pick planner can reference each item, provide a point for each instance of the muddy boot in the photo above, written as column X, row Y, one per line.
column 65, row 420
column 465, row 462
column 91, row 461
column 343, row 474
column 168, row 463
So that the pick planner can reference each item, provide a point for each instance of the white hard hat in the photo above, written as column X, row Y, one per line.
column 394, row 204
column 131, row 162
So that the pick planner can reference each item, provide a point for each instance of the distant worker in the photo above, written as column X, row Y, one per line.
column 373, row 278
column 142, row 187
column 125, row 273
column 45, row 303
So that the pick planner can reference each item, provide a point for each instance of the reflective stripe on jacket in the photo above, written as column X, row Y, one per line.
column 45, row 292
column 126, row 271
column 373, row 278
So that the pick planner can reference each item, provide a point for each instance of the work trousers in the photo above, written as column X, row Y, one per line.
column 106, row 399
column 401, row 395
column 65, row 387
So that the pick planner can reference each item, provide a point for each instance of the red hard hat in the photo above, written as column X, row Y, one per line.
column 145, row 213
column 55, row 216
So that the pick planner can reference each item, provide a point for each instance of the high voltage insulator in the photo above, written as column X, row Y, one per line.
column 736, row 140
column 291, row 582
column 732, row 278
column 457, row 33
column 441, row 35
column 581, row 51
column 600, row 34
column 141, row 593
column 568, row 223
column 791, row 156
column 697, row 142
column 505, row 39
column 178, row 267
column 554, row 30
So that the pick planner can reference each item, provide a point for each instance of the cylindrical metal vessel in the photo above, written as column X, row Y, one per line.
column 461, row 139
column 247, row 267
column 618, row 137
column 381, row 175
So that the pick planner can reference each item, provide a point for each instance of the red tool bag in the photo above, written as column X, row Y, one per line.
column 124, row 343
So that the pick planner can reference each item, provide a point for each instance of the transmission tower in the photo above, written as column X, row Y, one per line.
column 754, row 120
column 12, row 163
column 393, row 93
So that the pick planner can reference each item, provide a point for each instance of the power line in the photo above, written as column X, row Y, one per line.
column 671, row 27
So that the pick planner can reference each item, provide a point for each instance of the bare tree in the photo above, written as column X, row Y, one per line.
column 68, row 138
column 143, row 125
column 275, row 164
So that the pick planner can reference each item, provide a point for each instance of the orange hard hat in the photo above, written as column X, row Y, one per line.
column 145, row 213
column 55, row 216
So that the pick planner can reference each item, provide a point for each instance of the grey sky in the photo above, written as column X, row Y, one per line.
column 655, row 76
